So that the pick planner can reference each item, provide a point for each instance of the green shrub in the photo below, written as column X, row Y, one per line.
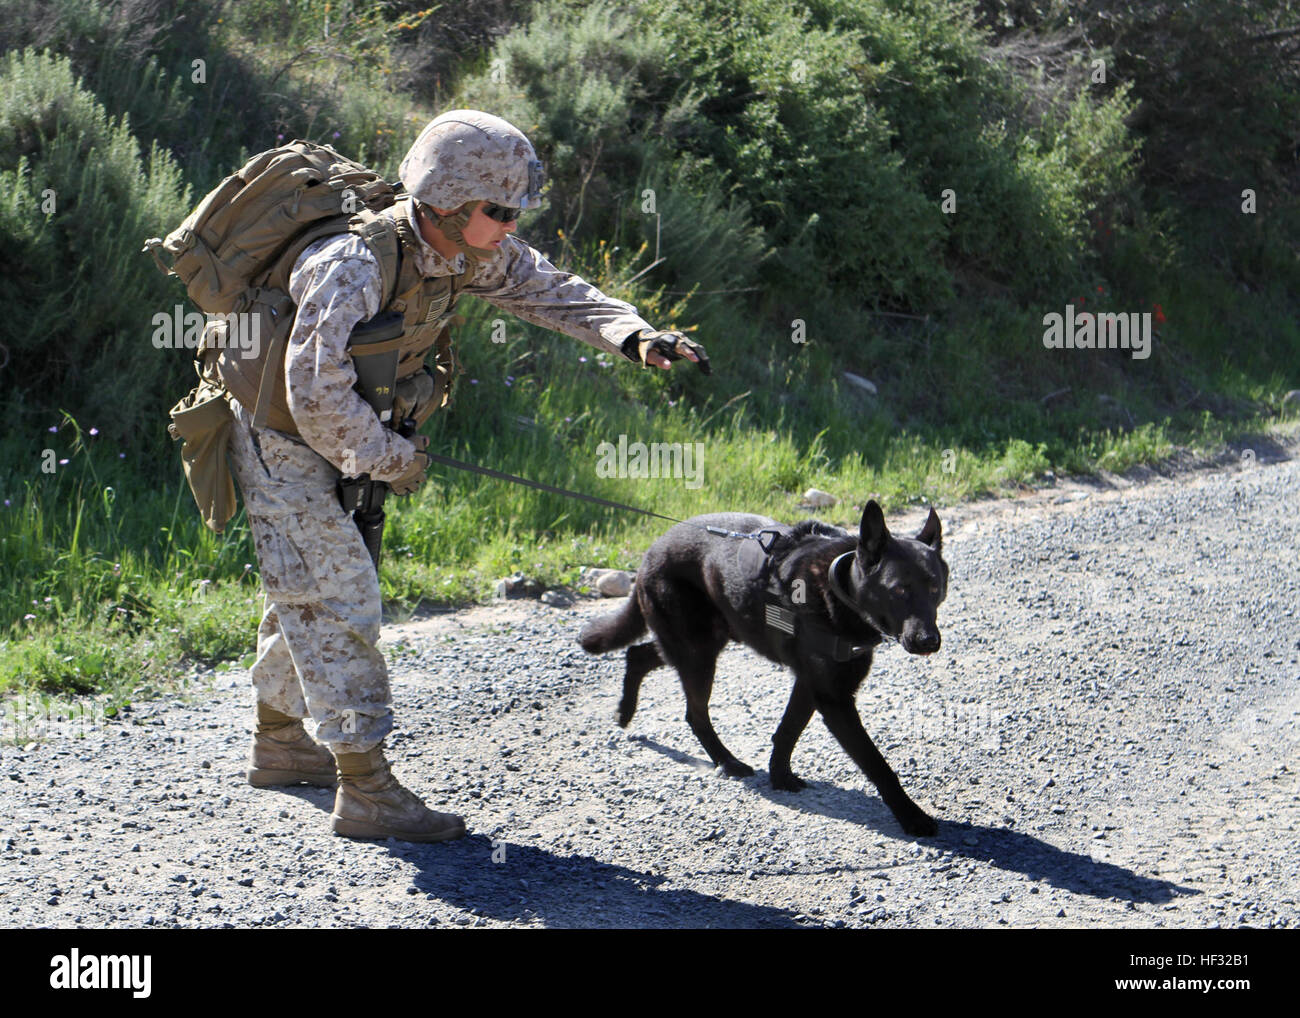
column 832, row 127
column 591, row 87
column 1023, row 184
column 78, row 295
column 1216, row 82
column 1219, row 83
column 790, row 132
column 136, row 56
column 597, row 92
column 709, row 244
column 1023, row 461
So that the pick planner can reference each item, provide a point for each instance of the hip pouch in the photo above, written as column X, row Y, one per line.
column 202, row 422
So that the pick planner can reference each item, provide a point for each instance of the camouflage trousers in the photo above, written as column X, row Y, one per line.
column 316, row 652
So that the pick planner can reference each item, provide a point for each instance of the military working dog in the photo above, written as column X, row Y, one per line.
column 809, row 596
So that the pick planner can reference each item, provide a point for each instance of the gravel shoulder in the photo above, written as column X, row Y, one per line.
column 1110, row 737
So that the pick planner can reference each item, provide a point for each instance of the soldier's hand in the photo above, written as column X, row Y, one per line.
column 414, row 476
column 413, row 397
column 659, row 349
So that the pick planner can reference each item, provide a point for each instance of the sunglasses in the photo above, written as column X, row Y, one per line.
column 501, row 213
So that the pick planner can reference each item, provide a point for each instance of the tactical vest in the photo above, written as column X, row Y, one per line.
column 426, row 306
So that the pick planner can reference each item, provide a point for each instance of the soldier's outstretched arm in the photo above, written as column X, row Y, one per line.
column 520, row 280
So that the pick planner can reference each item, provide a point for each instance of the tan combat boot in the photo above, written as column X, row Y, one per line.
column 371, row 804
column 284, row 754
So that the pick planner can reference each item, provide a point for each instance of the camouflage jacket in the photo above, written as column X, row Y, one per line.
column 335, row 284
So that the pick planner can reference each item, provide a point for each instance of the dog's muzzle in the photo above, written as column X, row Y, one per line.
column 926, row 643
column 928, row 640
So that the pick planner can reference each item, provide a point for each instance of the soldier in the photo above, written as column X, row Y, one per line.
column 467, row 177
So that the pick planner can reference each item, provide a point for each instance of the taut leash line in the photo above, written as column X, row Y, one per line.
column 513, row 479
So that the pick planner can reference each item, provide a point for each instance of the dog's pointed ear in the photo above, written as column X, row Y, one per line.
column 932, row 532
column 871, row 535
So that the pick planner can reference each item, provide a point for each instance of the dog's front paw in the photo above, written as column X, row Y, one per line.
column 626, row 708
column 788, row 781
column 919, row 824
column 736, row 769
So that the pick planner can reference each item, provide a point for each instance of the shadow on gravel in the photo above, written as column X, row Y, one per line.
column 321, row 798
column 862, row 808
column 560, row 890
column 1070, row 871
column 531, row 884
column 999, row 846
column 675, row 755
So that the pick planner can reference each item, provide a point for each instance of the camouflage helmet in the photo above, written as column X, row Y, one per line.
column 466, row 155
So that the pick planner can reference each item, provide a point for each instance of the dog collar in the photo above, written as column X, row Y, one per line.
column 837, row 588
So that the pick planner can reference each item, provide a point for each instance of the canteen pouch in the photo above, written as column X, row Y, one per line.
column 201, row 422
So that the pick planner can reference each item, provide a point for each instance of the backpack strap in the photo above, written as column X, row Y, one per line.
column 380, row 234
column 385, row 236
column 280, row 307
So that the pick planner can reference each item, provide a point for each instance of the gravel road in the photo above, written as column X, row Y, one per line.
column 1109, row 738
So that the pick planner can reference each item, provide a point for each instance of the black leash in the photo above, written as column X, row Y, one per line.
column 502, row 476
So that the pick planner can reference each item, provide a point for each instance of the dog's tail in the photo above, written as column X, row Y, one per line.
column 609, row 632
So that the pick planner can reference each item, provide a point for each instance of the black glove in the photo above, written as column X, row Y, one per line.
column 672, row 345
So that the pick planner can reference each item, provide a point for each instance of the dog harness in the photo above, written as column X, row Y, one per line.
column 781, row 615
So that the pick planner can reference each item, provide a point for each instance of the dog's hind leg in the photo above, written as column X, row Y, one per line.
column 841, row 717
column 797, row 714
column 691, row 633
column 695, row 663
column 642, row 659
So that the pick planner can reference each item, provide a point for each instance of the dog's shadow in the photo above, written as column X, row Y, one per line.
column 1070, row 871
column 998, row 846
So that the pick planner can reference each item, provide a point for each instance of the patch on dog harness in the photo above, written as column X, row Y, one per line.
column 780, row 618
column 812, row 633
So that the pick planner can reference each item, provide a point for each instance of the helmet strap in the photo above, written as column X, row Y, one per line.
column 452, row 226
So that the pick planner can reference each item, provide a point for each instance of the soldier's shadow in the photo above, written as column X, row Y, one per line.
column 521, row 883
column 529, row 883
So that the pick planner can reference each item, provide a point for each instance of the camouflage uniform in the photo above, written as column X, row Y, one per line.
column 316, row 643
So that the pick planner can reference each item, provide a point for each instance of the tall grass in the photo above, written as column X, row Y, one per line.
column 110, row 581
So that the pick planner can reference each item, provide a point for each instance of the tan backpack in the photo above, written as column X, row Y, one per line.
column 227, row 247
column 234, row 253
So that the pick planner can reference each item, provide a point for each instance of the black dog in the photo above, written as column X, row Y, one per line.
column 810, row 597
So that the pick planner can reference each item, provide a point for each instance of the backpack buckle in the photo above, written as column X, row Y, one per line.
column 153, row 245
